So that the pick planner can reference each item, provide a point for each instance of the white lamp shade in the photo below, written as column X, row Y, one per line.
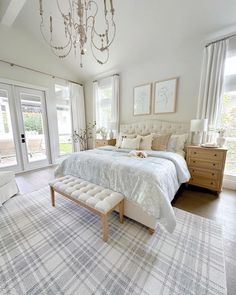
column 199, row 125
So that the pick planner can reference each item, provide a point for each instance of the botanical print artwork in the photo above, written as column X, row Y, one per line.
column 165, row 96
column 142, row 99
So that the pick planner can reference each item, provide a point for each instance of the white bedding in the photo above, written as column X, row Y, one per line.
column 150, row 182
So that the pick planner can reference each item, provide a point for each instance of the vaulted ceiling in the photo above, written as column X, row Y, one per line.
column 144, row 28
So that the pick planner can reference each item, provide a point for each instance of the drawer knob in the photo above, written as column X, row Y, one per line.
column 215, row 155
column 212, row 183
column 212, row 174
column 193, row 170
column 214, row 164
column 195, row 153
column 194, row 161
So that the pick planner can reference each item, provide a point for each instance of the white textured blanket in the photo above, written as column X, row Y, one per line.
column 149, row 182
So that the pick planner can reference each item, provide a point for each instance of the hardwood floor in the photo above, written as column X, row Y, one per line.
column 221, row 208
column 34, row 180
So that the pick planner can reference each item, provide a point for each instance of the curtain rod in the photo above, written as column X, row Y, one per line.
column 37, row 71
column 224, row 38
column 106, row 77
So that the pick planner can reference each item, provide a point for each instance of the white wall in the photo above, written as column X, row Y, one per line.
column 184, row 63
column 16, row 47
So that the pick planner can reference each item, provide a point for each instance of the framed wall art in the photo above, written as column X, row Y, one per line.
column 142, row 99
column 165, row 96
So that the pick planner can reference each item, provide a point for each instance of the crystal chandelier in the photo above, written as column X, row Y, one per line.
column 80, row 26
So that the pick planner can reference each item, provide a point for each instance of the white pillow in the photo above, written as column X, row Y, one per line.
column 130, row 143
column 145, row 142
column 177, row 142
column 121, row 136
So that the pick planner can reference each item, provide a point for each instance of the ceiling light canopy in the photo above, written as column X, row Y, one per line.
column 80, row 27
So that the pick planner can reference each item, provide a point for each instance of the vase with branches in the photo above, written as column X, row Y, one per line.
column 84, row 135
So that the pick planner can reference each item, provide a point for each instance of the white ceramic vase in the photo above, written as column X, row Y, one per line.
column 220, row 141
column 111, row 134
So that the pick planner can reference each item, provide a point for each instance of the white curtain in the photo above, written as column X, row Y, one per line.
column 77, row 111
column 115, row 102
column 212, row 79
column 95, row 101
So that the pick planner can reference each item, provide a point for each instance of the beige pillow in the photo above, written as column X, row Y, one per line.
column 160, row 142
column 177, row 142
column 123, row 135
column 130, row 143
column 145, row 142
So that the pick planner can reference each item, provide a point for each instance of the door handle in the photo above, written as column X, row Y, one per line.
column 22, row 137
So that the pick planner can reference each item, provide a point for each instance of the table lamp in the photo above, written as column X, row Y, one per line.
column 198, row 126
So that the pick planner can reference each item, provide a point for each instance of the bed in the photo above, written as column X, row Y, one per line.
column 149, row 185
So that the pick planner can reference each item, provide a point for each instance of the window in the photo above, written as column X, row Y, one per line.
column 106, row 93
column 7, row 146
column 228, row 113
column 104, row 103
column 64, row 119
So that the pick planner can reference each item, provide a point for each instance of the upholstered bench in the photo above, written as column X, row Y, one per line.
column 99, row 200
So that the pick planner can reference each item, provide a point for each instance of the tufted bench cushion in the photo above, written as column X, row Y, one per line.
column 98, row 199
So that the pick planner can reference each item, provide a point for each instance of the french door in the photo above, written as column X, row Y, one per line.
column 24, row 143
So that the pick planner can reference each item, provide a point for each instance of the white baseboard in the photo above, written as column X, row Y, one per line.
column 229, row 182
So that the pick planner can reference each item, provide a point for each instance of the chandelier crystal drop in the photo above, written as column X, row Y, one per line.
column 80, row 27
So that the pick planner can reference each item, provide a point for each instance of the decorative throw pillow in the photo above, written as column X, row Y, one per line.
column 160, row 142
column 145, row 142
column 121, row 136
column 130, row 143
column 177, row 142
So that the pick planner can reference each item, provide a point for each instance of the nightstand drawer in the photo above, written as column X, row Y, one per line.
column 204, row 182
column 205, row 164
column 101, row 142
column 196, row 172
column 206, row 154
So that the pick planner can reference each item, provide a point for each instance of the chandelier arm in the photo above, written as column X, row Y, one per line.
column 66, row 48
column 113, row 37
column 50, row 43
column 62, row 55
column 99, row 60
column 60, row 10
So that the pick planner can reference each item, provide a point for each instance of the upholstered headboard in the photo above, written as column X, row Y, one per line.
column 155, row 126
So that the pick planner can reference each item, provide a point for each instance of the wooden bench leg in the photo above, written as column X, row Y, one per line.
column 52, row 196
column 104, row 227
column 151, row 231
column 121, row 211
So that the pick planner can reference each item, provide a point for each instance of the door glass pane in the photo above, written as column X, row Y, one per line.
column 64, row 119
column 7, row 146
column 33, row 125
column 228, row 121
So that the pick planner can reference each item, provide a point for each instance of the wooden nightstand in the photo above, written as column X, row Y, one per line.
column 103, row 142
column 206, row 166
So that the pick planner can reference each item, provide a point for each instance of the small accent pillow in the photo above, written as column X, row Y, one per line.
column 121, row 136
column 130, row 143
column 160, row 142
column 145, row 142
column 177, row 142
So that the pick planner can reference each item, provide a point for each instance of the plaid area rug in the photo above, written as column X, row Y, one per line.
column 45, row 250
